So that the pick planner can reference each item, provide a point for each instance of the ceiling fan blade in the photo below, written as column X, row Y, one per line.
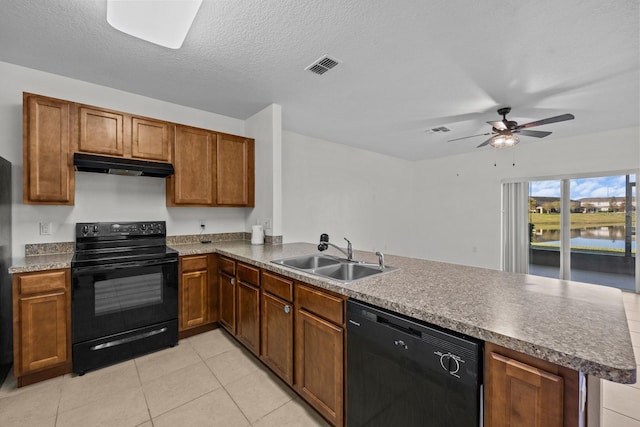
column 472, row 136
column 555, row 119
column 484, row 143
column 498, row 125
column 534, row 133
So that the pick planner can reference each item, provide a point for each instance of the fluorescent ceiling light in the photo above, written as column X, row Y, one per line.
column 162, row 22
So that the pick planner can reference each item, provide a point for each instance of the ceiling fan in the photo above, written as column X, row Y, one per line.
column 505, row 132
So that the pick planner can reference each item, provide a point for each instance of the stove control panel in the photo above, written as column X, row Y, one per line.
column 98, row 229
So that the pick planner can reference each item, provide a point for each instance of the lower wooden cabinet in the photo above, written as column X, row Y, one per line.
column 522, row 390
column 198, row 295
column 319, row 351
column 227, row 300
column 277, row 325
column 42, row 325
column 248, row 320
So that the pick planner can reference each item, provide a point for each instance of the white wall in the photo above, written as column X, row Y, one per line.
column 266, row 127
column 345, row 192
column 446, row 209
column 102, row 197
column 458, row 209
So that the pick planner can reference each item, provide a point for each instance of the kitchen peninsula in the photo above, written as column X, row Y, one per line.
column 574, row 326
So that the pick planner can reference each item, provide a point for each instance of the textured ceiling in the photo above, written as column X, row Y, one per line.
column 407, row 65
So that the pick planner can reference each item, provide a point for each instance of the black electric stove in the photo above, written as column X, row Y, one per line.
column 124, row 292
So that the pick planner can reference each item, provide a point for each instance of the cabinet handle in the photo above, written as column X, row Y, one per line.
column 233, row 281
column 287, row 309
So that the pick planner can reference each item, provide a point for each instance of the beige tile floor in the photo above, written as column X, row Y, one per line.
column 207, row 380
column 621, row 403
column 210, row 380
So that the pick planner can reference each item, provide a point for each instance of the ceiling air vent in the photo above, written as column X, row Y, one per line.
column 438, row 129
column 323, row 65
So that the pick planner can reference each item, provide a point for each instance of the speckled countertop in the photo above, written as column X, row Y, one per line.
column 577, row 325
column 41, row 262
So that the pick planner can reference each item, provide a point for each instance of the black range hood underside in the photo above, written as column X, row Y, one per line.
column 121, row 166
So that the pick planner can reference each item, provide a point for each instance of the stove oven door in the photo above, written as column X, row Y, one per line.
column 123, row 308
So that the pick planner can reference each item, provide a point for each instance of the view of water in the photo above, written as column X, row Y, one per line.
column 610, row 237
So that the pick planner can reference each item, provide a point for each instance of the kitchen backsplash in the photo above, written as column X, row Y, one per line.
column 31, row 249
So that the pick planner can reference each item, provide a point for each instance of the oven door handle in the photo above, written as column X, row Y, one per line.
column 123, row 265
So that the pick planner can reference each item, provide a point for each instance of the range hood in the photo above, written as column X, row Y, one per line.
column 121, row 166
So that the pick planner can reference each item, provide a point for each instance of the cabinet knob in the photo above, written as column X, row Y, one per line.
column 287, row 309
column 233, row 281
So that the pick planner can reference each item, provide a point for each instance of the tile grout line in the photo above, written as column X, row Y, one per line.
column 222, row 386
column 142, row 388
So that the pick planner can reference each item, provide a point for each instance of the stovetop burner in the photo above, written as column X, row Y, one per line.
column 100, row 243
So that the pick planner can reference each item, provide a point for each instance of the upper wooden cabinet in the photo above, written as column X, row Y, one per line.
column 150, row 139
column 48, row 176
column 114, row 133
column 235, row 171
column 101, row 132
column 212, row 169
column 193, row 182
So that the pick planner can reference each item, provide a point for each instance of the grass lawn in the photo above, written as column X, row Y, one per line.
column 578, row 220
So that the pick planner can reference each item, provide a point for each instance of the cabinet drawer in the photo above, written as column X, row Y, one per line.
column 41, row 282
column 228, row 266
column 194, row 263
column 324, row 305
column 249, row 274
column 278, row 286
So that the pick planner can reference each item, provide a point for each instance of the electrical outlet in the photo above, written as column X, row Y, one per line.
column 45, row 228
column 267, row 224
column 202, row 226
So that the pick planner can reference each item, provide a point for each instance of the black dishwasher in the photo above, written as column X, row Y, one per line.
column 403, row 372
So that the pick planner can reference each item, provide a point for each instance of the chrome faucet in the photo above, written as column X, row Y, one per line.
column 380, row 260
column 324, row 245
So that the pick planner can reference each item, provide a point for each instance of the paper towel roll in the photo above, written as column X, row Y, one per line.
column 257, row 235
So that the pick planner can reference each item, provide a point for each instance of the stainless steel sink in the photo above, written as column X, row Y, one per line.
column 339, row 269
column 308, row 262
column 349, row 271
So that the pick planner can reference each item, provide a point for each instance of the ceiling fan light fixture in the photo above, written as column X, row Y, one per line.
column 162, row 22
column 504, row 140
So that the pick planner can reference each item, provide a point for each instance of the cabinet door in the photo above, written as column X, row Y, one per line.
column 248, row 324
column 150, row 139
column 319, row 358
column 43, row 331
column 235, row 171
column 519, row 394
column 48, row 176
column 194, row 299
column 227, row 302
column 194, row 159
column 277, row 336
column 101, row 132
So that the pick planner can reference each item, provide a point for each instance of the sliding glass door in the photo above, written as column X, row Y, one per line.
column 584, row 229
column 544, row 226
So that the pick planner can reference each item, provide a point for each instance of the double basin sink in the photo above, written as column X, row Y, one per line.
column 339, row 269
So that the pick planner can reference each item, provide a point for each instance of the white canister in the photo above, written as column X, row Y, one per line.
column 257, row 235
